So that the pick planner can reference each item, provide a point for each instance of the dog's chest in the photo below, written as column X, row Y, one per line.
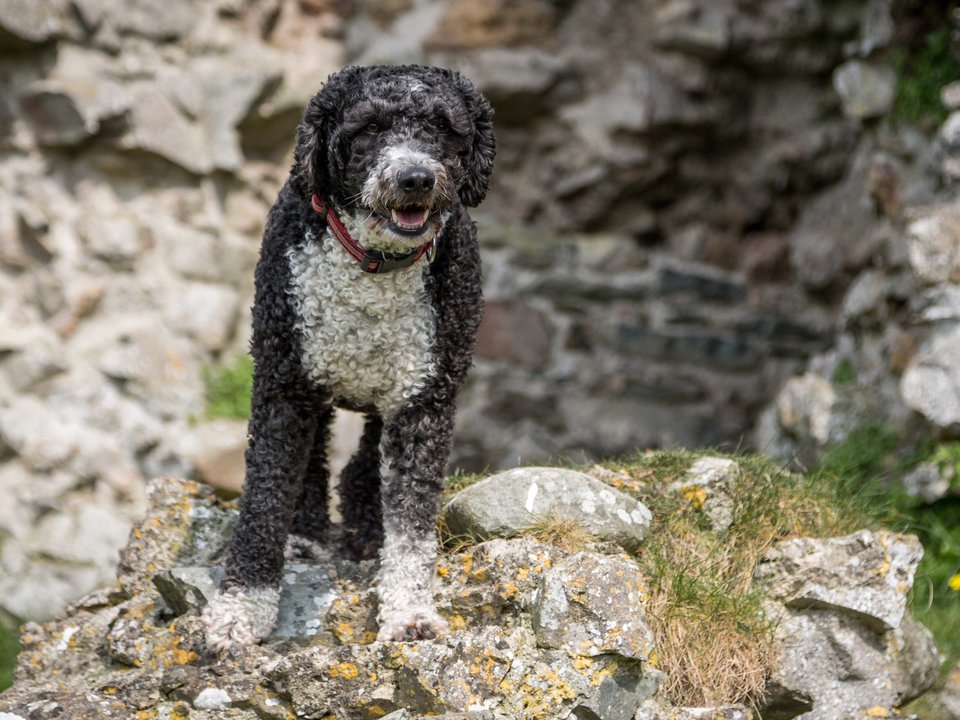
column 367, row 338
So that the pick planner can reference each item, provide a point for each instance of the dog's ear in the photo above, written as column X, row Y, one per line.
column 317, row 134
column 479, row 158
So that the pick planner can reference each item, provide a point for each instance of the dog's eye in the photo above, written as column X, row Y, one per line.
column 372, row 128
column 443, row 126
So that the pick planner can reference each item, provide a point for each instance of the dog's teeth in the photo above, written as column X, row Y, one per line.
column 393, row 216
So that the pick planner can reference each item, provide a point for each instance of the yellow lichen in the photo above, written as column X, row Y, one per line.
column 877, row 711
column 695, row 495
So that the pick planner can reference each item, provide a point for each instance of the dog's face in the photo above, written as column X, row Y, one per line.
column 394, row 146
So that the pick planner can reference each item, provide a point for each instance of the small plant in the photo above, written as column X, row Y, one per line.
column 921, row 74
column 843, row 373
column 228, row 389
column 713, row 639
column 868, row 464
column 9, row 647
column 565, row 533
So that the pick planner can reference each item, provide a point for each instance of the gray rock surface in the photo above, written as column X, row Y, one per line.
column 867, row 574
column 931, row 383
column 509, row 503
column 709, row 485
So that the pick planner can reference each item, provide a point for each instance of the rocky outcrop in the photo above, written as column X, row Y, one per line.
column 537, row 633
column 683, row 187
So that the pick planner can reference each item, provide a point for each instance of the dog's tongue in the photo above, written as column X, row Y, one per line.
column 411, row 216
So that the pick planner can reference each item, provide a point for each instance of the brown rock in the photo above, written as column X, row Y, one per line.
column 515, row 332
column 471, row 24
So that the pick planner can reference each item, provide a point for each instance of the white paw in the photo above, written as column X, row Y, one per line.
column 412, row 624
column 240, row 617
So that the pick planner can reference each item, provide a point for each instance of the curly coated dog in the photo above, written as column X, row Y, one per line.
column 367, row 297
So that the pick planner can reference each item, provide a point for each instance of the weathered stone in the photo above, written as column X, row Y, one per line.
column 306, row 592
column 926, row 482
column 865, row 89
column 946, row 700
column 827, row 665
column 25, row 22
column 589, row 606
column 867, row 574
column 934, row 243
column 805, row 408
column 140, row 17
column 206, row 312
column 709, row 485
column 157, row 126
column 474, row 24
column 115, row 239
column 506, row 504
column 219, row 451
column 931, row 382
column 515, row 332
column 67, row 111
column 950, row 96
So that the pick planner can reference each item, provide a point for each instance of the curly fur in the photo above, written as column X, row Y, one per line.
column 396, row 346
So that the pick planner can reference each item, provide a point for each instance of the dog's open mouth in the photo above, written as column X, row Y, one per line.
column 409, row 220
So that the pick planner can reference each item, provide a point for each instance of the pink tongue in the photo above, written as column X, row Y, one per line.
column 411, row 217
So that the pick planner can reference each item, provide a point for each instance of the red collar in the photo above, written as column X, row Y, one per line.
column 371, row 261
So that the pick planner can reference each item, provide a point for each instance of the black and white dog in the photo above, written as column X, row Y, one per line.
column 367, row 297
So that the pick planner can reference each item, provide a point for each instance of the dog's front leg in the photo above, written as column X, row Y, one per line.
column 244, row 611
column 414, row 451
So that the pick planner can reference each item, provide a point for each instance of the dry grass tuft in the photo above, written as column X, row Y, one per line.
column 565, row 533
column 713, row 639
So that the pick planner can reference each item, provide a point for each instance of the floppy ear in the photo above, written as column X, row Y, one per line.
column 479, row 159
column 318, row 133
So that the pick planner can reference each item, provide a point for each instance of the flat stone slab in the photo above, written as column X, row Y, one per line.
column 306, row 594
column 511, row 502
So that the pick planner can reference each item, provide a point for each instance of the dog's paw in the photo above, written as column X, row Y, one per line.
column 410, row 625
column 300, row 548
column 240, row 617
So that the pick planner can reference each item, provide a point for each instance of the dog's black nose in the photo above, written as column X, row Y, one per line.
column 416, row 179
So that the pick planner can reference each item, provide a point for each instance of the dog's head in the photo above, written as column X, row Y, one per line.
column 394, row 146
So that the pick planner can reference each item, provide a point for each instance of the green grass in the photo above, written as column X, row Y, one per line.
column 921, row 73
column 228, row 389
column 869, row 464
column 9, row 647
column 714, row 639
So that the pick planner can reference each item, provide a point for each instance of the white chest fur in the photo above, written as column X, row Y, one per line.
column 367, row 338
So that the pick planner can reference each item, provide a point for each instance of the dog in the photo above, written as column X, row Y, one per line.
column 368, row 298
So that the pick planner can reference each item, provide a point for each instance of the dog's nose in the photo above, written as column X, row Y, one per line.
column 416, row 179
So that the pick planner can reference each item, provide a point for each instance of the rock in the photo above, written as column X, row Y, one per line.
column 25, row 22
column 515, row 332
column 865, row 89
column 508, row 503
column 475, row 24
column 591, row 606
column 946, row 700
column 934, row 243
column 867, row 574
column 950, row 95
column 219, row 453
column 709, row 485
column 156, row 125
column 931, row 383
column 205, row 312
column 306, row 593
column 139, row 17
column 806, row 408
column 37, row 434
column 822, row 669
column 114, row 239
column 926, row 482
column 67, row 111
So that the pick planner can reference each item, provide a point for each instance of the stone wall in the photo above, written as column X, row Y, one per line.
column 680, row 195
